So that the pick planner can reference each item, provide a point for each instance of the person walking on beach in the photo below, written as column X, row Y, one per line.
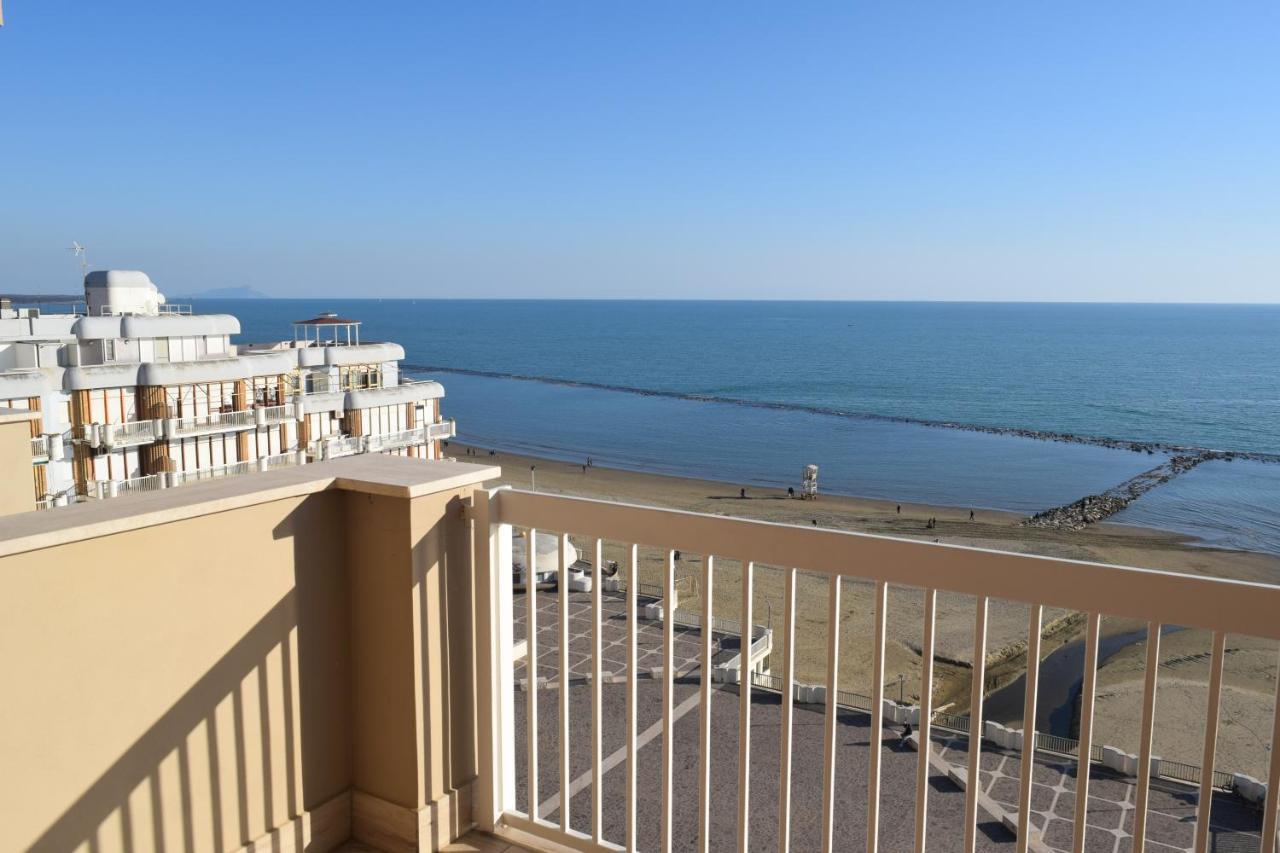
column 742, row 493
column 971, row 515
column 899, row 509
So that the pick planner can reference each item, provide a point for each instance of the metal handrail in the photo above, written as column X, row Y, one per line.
column 244, row 418
column 396, row 440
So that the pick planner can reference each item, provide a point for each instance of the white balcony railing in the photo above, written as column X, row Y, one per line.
column 337, row 446
column 131, row 433
column 395, row 440
column 233, row 469
column 40, row 448
column 1152, row 597
column 210, row 423
column 125, row 434
column 446, row 429
column 172, row 479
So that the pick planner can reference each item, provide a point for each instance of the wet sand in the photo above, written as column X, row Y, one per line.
column 1104, row 543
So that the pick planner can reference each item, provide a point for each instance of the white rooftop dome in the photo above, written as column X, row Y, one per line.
column 121, row 292
column 118, row 278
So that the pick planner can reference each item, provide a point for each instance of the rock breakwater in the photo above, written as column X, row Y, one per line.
column 1091, row 509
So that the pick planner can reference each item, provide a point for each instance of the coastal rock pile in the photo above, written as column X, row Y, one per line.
column 1094, row 508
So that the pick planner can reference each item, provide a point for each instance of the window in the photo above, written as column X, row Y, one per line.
column 162, row 349
column 109, row 350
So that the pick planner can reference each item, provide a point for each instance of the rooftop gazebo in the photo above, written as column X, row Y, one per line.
column 327, row 329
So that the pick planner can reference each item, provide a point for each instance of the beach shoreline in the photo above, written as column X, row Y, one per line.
column 1113, row 543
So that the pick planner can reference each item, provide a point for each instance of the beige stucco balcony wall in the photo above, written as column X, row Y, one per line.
column 254, row 663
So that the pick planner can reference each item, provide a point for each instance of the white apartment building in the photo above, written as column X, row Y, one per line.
column 134, row 394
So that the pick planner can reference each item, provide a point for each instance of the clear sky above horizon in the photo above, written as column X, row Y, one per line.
column 1081, row 151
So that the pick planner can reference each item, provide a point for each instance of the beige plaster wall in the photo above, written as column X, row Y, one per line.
column 180, row 687
column 17, row 492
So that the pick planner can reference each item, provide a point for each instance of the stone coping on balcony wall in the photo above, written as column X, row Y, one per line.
column 392, row 476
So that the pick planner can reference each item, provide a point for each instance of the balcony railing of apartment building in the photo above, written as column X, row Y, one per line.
column 40, row 448
column 130, row 433
column 173, row 479
column 337, row 446
column 1156, row 598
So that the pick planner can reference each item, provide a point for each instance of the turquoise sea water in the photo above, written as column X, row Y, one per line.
column 829, row 373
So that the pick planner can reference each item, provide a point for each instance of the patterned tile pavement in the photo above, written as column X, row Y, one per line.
column 1234, row 826
column 613, row 638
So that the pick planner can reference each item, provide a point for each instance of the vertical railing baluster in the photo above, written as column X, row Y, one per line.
column 924, row 730
column 1084, row 756
column 1034, row 619
column 1205, row 806
column 495, row 666
column 531, row 669
column 876, row 737
column 597, row 692
column 744, row 710
column 633, row 581
column 704, row 721
column 562, row 585
column 1144, row 739
column 788, row 708
column 1273, row 781
column 668, row 690
column 978, row 688
column 829, row 722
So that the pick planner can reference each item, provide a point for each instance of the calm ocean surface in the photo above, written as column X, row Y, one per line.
column 1207, row 376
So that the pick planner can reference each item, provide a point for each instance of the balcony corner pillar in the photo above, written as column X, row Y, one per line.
column 413, row 709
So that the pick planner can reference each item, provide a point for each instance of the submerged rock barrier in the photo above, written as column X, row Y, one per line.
column 1134, row 446
column 1091, row 509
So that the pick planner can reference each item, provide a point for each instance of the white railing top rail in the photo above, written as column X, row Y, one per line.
column 147, row 483
column 244, row 417
column 1153, row 596
column 284, row 411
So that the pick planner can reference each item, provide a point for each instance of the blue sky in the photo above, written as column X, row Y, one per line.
column 1080, row 151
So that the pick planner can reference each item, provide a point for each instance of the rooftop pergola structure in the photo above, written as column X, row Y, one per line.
column 327, row 329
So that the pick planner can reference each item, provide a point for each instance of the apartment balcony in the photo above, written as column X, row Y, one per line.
column 119, row 435
column 444, row 430
column 41, row 448
column 173, row 479
column 217, row 422
column 409, row 437
column 338, row 446
column 344, row 659
column 133, row 433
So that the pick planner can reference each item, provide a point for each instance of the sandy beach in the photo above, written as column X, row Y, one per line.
column 1250, row 668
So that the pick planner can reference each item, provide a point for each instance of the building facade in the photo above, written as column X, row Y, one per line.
column 130, row 393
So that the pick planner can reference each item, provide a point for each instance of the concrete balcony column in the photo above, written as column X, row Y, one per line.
column 412, row 716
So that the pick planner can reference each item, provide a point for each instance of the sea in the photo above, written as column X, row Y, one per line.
column 1014, row 406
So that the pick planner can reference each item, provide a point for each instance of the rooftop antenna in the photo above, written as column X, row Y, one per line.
column 79, row 251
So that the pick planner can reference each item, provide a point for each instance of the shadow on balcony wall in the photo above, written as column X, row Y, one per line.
column 256, row 740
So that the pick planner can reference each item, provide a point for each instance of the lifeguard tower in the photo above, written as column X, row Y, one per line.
column 809, row 483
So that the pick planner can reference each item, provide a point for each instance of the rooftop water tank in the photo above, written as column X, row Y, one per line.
column 121, row 292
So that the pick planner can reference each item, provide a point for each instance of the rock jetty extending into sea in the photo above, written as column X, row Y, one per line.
column 1094, row 508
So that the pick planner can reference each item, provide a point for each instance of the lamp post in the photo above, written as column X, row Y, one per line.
column 533, row 477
